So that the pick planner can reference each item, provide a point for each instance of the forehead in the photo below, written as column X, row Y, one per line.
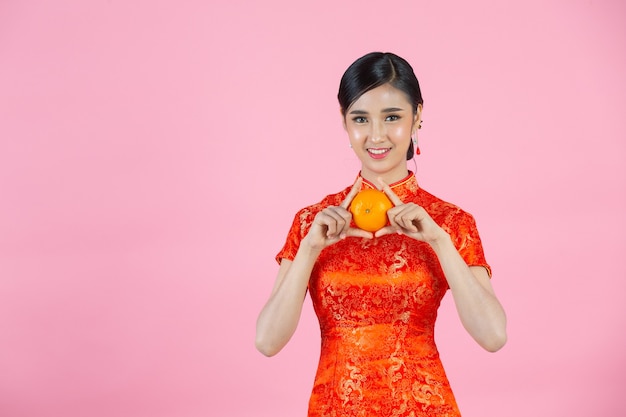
column 381, row 97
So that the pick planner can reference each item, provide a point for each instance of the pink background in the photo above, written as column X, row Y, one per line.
column 153, row 154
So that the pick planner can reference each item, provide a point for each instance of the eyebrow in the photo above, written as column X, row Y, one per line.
column 387, row 110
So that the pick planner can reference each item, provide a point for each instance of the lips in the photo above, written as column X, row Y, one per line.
column 378, row 153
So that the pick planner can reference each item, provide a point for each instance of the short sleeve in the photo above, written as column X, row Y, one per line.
column 467, row 241
column 302, row 223
column 299, row 229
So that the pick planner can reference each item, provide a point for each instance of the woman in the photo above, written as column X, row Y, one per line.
column 376, row 294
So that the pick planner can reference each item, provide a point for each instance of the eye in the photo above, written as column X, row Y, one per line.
column 392, row 118
column 359, row 119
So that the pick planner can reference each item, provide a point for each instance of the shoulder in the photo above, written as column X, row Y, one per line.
column 443, row 212
column 302, row 223
column 330, row 200
column 460, row 225
column 305, row 215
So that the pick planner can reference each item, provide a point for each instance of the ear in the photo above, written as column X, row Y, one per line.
column 418, row 115
column 417, row 118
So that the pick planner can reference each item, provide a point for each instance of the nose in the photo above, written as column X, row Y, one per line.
column 378, row 132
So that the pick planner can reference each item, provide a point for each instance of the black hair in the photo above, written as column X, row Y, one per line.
column 376, row 69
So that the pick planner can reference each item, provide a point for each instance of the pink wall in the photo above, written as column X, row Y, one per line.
column 153, row 153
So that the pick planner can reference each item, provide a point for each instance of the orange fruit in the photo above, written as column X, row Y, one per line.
column 369, row 209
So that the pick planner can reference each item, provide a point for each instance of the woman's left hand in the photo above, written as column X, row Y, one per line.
column 409, row 219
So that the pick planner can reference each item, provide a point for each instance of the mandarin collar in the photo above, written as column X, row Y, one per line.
column 404, row 188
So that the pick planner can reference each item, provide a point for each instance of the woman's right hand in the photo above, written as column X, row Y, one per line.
column 333, row 223
column 279, row 317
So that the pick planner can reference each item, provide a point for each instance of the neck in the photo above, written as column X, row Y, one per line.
column 389, row 177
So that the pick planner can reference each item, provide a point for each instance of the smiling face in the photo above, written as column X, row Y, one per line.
column 379, row 125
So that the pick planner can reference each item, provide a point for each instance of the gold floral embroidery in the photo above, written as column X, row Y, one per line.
column 376, row 301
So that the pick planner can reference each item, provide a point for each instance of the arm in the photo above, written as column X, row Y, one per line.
column 479, row 309
column 279, row 317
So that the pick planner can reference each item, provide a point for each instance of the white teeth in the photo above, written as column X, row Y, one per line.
column 377, row 151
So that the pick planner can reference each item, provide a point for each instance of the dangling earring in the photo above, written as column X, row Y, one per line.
column 415, row 146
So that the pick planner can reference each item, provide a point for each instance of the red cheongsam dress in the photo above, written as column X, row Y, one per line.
column 376, row 301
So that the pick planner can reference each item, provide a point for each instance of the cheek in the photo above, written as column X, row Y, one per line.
column 402, row 132
column 356, row 134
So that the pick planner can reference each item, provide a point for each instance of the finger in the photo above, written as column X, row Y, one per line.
column 354, row 232
column 353, row 192
column 387, row 190
column 344, row 214
column 387, row 230
column 404, row 223
column 404, row 217
column 394, row 216
column 337, row 220
column 325, row 222
column 341, row 214
column 407, row 224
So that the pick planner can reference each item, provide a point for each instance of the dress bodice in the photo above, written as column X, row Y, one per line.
column 376, row 301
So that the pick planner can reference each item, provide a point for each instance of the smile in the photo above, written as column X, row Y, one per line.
column 378, row 151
